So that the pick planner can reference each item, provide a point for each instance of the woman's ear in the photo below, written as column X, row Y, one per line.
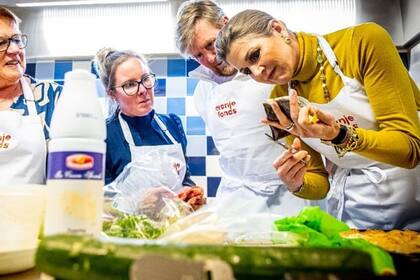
column 111, row 94
column 275, row 25
column 279, row 27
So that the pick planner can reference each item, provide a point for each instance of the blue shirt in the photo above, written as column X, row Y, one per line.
column 46, row 95
column 146, row 132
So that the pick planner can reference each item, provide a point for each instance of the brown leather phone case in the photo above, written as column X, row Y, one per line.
column 284, row 105
column 271, row 116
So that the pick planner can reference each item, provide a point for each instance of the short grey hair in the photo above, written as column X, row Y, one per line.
column 189, row 13
column 106, row 63
column 246, row 23
column 6, row 13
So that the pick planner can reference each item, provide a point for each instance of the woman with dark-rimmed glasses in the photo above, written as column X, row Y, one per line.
column 26, row 107
column 135, row 133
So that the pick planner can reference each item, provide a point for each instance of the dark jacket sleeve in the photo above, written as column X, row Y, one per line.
column 109, row 176
column 110, row 130
column 183, row 140
column 117, row 151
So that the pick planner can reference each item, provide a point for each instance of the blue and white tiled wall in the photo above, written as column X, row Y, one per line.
column 174, row 94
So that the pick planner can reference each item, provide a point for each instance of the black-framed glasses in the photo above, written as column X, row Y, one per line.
column 19, row 40
column 131, row 88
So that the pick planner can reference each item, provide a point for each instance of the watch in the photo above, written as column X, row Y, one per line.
column 344, row 144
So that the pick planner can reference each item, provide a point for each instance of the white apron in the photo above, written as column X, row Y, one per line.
column 234, row 111
column 22, row 144
column 365, row 193
column 170, row 158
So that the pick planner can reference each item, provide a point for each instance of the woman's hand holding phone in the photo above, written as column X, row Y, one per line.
column 301, row 120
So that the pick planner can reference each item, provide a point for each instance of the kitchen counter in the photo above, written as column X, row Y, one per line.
column 31, row 274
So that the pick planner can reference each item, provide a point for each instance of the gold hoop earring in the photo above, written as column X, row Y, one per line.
column 287, row 40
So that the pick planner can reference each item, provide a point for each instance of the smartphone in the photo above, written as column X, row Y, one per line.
column 284, row 104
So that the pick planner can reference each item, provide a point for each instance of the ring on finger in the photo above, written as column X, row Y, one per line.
column 290, row 126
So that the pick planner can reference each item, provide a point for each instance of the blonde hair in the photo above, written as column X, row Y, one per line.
column 106, row 63
column 248, row 22
column 189, row 13
column 4, row 12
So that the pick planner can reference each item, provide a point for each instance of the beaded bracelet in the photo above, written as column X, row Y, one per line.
column 347, row 144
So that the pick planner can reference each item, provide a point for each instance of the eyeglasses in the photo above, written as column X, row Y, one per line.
column 131, row 88
column 19, row 39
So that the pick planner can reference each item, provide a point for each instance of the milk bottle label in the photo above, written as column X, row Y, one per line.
column 75, row 165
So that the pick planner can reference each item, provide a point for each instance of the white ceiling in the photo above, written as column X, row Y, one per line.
column 12, row 3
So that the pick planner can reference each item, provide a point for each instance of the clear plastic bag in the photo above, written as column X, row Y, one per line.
column 158, row 209
column 149, row 187
column 231, row 219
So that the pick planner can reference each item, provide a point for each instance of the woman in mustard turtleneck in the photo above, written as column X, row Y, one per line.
column 363, row 117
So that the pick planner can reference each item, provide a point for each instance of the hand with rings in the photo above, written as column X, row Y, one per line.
column 301, row 122
column 283, row 122
column 291, row 166
column 290, row 127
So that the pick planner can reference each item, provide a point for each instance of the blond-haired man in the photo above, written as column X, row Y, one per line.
column 231, row 106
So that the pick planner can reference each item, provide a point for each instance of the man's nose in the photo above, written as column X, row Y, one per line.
column 257, row 70
column 211, row 58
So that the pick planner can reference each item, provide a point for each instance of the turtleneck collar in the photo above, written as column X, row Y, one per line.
column 141, row 121
column 203, row 73
column 307, row 65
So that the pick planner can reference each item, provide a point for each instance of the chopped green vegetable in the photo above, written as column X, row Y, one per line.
column 132, row 226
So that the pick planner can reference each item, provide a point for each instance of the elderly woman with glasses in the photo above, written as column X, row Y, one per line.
column 26, row 108
column 136, row 134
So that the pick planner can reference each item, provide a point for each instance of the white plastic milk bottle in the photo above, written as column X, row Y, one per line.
column 76, row 159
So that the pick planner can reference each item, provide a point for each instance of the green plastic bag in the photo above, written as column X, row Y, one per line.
column 319, row 229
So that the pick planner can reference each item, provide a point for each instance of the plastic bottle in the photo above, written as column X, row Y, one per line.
column 76, row 159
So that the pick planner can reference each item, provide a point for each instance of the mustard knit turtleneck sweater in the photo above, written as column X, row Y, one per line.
column 364, row 52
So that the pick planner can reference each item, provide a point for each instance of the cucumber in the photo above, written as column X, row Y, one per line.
column 81, row 257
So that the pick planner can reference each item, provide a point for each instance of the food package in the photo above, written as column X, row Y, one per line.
column 396, row 241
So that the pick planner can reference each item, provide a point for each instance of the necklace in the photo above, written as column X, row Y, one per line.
column 322, row 77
